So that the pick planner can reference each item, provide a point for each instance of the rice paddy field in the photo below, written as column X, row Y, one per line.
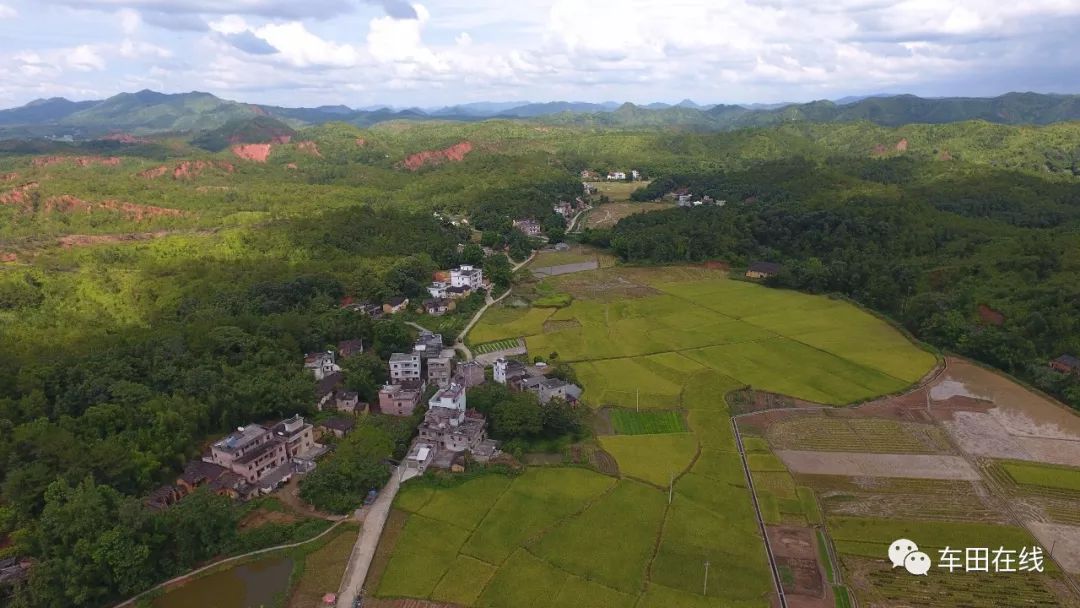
column 662, row 347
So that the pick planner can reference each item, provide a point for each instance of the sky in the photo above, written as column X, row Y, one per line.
column 442, row 52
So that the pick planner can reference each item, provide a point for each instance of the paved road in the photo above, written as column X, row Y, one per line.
column 364, row 549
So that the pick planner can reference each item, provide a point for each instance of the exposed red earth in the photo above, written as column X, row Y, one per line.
column 254, row 152
column 454, row 153
column 9, row 257
column 17, row 196
column 8, row 177
column 901, row 146
column 79, row 161
column 360, row 142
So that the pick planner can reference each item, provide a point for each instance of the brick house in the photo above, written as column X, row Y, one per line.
column 763, row 270
column 400, row 400
column 252, row 452
column 405, row 366
column 1066, row 364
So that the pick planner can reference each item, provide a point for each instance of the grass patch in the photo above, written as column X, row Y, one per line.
column 823, row 557
column 809, row 504
column 322, row 571
column 558, row 300
column 651, row 458
column 631, row 422
column 502, row 322
column 1046, row 476
column 464, row 505
column 841, row 597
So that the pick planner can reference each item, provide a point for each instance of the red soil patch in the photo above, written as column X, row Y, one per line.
column 18, row 195
column 454, row 153
column 944, row 155
column 360, row 142
column 989, row 316
column 83, row 240
column 79, row 161
column 879, row 150
column 310, row 147
column 901, row 146
column 8, row 257
column 253, row 152
column 154, row 173
column 67, row 204
column 716, row 265
column 291, row 166
column 8, row 177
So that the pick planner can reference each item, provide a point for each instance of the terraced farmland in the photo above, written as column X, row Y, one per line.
column 491, row 347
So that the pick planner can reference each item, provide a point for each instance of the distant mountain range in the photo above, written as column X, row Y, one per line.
column 150, row 112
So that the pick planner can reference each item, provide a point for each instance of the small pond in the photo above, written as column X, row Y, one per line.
column 251, row 585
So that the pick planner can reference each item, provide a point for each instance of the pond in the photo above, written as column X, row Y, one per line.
column 251, row 585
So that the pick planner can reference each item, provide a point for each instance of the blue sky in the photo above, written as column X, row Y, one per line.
column 441, row 52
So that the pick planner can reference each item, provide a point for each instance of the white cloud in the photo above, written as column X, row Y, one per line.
column 129, row 21
column 301, row 48
column 85, row 58
column 6, row 12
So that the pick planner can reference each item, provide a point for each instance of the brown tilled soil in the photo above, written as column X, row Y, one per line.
column 606, row 216
column 260, row 517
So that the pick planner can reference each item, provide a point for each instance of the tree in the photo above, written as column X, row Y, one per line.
column 364, row 373
column 472, row 254
column 497, row 269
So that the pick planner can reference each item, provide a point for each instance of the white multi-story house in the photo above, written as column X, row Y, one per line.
column 405, row 367
column 616, row 176
column 452, row 398
column 438, row 289
column 467, row 275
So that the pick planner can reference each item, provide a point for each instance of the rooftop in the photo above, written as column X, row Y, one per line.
column 243, row 437
column 765, row 267
column 403, row 357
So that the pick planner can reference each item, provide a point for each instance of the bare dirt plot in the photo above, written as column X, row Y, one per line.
column 1065, row 541
column 796, row 554
column 606, row 216
column 919, row 466
column 603, row 285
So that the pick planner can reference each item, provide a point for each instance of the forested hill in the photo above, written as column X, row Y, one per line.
column 147, row 112
column 980, row 261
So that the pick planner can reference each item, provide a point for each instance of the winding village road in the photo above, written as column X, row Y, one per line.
column 352, row 582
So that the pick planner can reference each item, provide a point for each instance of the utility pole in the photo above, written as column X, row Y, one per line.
column 637, row 398
column 705, row 588
column 670, row 488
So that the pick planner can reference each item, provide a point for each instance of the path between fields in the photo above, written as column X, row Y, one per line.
column 352, row 582
column 197, row 571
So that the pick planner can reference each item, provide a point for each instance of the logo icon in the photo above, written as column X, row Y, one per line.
column 905, row 553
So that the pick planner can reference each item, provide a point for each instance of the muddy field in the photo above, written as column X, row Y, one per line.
column 858, row 464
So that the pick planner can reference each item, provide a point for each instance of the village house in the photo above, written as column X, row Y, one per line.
column 467, row 275
column 218, row 479
column 326, row 389
column 616, row 176
column 420, row 456
column 299, row 438
column 338, row 427
column 252, row 452
column 451, row 397
column 564, row 209
column 400, row 399
column 763, row 270
column 395, row 305
column 441, row 369
column 349, row 348
column 1066, row 364
column 321, row 364
column 437, row 289
column 405, row 366
column 457, row 293
column 635, row 174
column 469, row 374
column 509, row 371
column 348, row 402
column 590, row 175
column 437, row 307
column 374, row 311
column 547, row 389
column 529, row 227
column 428, row 345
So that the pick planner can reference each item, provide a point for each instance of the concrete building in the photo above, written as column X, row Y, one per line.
column 440, row 370
column 469, row 374
column 322, row 364
column 467, row 275
column 508, row 371
column 298, row 437
column 252, row 452
column 405, row 367
column 451, row 398
column 428, row 345
column 400, row 400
